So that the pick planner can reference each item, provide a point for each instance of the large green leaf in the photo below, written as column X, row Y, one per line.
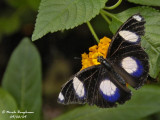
column 151, row 40
column 144, row 102
column 57, row 15
column 23, row 78
column 7, row 104
column 146, row 2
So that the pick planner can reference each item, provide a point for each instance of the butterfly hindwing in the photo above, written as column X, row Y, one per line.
column 94, row 85
column 132, row 65
column 110, row 91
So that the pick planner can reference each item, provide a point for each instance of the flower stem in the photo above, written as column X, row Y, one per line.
column 105, row 18
column 110, row 15
column 114, row 6
column 93, row 32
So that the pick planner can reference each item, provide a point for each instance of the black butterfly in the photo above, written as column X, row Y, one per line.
column 105, row 85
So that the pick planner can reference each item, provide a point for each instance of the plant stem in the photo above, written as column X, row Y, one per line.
column 92, row 31
column 114, row 6
column 105, row 18
column 110, row 15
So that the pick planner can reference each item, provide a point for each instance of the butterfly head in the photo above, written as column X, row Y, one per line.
column 100, row 59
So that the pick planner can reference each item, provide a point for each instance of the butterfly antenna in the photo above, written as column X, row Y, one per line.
column 77, row 58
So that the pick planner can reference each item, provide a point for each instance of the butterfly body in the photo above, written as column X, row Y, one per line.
column 105, row 84
column 110, row 69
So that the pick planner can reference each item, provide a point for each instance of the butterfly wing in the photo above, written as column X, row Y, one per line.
column 128, row 34
column 94, row 85
column 126, row 54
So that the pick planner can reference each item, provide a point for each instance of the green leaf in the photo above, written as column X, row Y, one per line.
column 146, row 2
column 115, row 24
column 23, row 78
column 144, row 102
column 7, row 103
column 151, row 40
column 57, row 15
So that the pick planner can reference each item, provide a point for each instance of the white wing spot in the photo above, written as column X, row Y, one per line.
column 137, row 17
column 129, row 64
column 61, row 97
column 129, row 36
column 78, row 87
column 107, row 87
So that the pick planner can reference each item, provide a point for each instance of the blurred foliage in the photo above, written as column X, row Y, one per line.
column 146, row 2
column 32, row 4
column 12, row 18
column 7, row 102
column 22, row 79
column 9, row 24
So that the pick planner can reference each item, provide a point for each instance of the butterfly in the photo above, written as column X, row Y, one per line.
column 106, row 84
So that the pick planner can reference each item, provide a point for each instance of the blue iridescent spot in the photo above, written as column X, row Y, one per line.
column 112, row 98
column 109, row 91
column 139, row 70
column 133, row 66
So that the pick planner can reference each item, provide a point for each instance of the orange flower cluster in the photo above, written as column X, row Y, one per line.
column 95, row 51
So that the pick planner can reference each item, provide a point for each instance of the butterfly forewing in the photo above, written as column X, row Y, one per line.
column 128, row 57
column 128, row 34
column 76, row 89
